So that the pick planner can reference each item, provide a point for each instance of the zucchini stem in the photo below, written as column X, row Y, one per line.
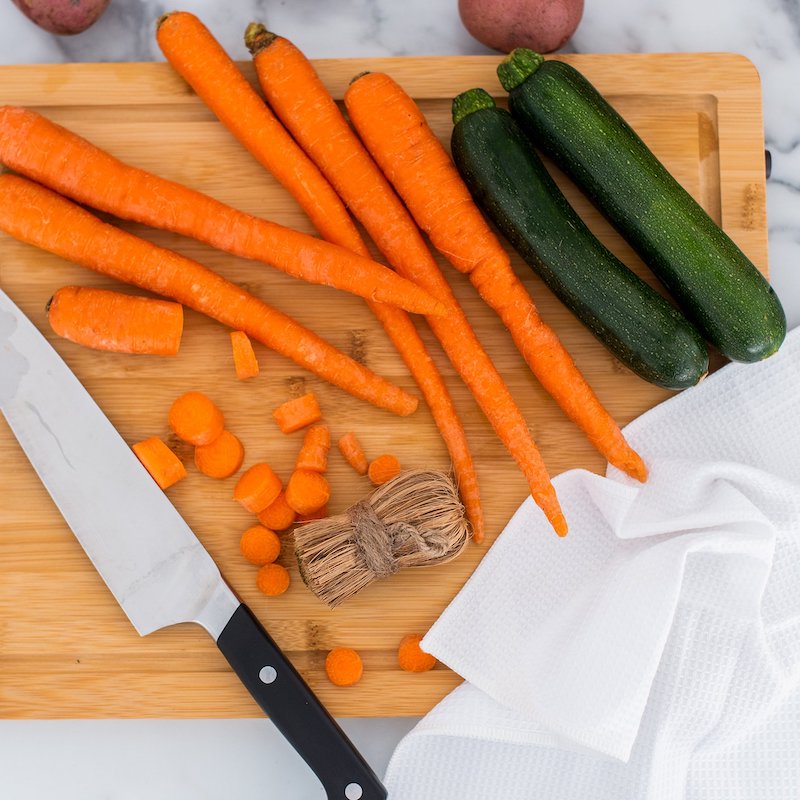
column 469, row 102
column 518, row 66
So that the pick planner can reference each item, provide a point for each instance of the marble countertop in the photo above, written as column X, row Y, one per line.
column 118, row 760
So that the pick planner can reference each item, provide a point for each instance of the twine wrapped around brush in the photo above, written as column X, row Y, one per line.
column 414, row 520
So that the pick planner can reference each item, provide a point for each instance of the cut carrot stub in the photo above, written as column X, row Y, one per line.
column 196, row 419
column 297, row 413
column 278, row 515
column 313, row 454
column 165, row 467
column 220, row 458
column 343, row 666
column 307, row 491
column 272, row 580
column 260, row 545
column 353, row 453
column 106, row 320
column 411, row 657
column 320, row 513
column 244, row 358
column 257, row 488
column 383, row 469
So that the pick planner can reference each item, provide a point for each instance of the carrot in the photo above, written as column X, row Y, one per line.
column 343, row 666
column 164, row 466
column 258, row 487
column 396, row 133
column 313, row 454
column 221, row 457
column 383, row 469
column 299, row 99
column 196, row 419
column 260, row 545
column 297, row 413
column 353, row 453
column 244, row 359
column 38, row 216
column 272, row 579
column 105, row 320
column 278, row 515
column 33, row 146
column 411, row 657
column 320, row 513
column 307, row 491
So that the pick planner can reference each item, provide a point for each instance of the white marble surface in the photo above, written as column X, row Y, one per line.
column 247, row 759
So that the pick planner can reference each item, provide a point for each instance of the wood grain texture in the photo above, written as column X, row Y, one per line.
column 66, row 649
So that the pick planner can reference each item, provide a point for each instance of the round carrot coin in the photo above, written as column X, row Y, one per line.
column 196, row 419
column 260, row 545
column 344, row 666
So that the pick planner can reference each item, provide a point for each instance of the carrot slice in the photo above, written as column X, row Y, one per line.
column 244, row 357
column 278, row 515
column 106, row 320
column 313, row 454
column 320, row 513
column 306, row 491
column 353, row 453
column 272, row 579
column 220, row 458
column 344, row 666
column 165, row 467
column 383, row 469
column 260, row 545
column 258, row 487
column 196, row 419
column 411, row 657
column 295, row 414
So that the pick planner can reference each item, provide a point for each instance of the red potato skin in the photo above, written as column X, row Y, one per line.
column 541, row 25
column 63, row 17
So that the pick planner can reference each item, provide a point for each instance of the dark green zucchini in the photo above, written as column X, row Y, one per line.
column 714, row 283
column 511, row 184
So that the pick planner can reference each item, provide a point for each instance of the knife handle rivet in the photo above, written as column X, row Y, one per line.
column 353, row 791
column 267, row 675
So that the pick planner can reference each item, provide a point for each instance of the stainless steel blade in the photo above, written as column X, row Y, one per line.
column 151, row 560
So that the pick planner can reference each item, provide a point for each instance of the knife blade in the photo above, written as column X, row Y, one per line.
column 150, row 559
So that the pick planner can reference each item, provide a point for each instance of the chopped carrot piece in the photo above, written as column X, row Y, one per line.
column 320, row 513
column 278, row 515
column 244, row 357
column 313, row 454
column 165, row 467
column 257, row 488
column 260, row 545
column 411, row 657
column 344, row 666
column 272, row 579
column 196, row 419
column 221, row 458
column 307, row 491
column 297, row 413
column 383, row 469
column 353, row 453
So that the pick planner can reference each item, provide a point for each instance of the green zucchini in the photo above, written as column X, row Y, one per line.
column 714, row 283
column 512, row 186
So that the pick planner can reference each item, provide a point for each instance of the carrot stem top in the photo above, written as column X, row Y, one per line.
column 258, row 38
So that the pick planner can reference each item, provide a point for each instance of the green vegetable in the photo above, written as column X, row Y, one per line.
column 510, row 183
column 714, row 283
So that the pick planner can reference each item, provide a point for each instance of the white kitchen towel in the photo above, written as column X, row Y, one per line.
column 653, row 654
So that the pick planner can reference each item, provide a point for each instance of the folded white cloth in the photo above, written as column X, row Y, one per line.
column 653, row 654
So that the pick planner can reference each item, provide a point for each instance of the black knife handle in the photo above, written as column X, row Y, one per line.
column 278, row 688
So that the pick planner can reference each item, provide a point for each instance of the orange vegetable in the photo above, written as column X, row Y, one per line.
column 220, row 458
column 353, row 453
column 278, row 515
column 106, row 320
column 411, row 657
column 196, row 419
column 272, row 579
column 307, row 492
column 260, row 545
column 297, row 413
column 383, row 469
column 344, row 666
column 396, row 133
column 244, row 358
column 313, row 454
column 258, row 487
column 164, row 466
column 38, row 216
column 320, row 513
column 305, row 106
column 97, row 179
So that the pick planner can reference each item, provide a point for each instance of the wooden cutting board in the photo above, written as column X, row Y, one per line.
column 66, row 648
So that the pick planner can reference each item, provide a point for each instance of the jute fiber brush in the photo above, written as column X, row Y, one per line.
column 414, row 520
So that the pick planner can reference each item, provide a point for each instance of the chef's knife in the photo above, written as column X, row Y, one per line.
column 148, row 556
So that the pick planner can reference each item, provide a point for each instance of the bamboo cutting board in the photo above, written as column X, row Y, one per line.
column 66, row 649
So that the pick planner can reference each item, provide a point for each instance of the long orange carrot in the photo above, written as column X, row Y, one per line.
column 51, row 155
column 398, row 136
column 302, row 103
column 38, row 216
